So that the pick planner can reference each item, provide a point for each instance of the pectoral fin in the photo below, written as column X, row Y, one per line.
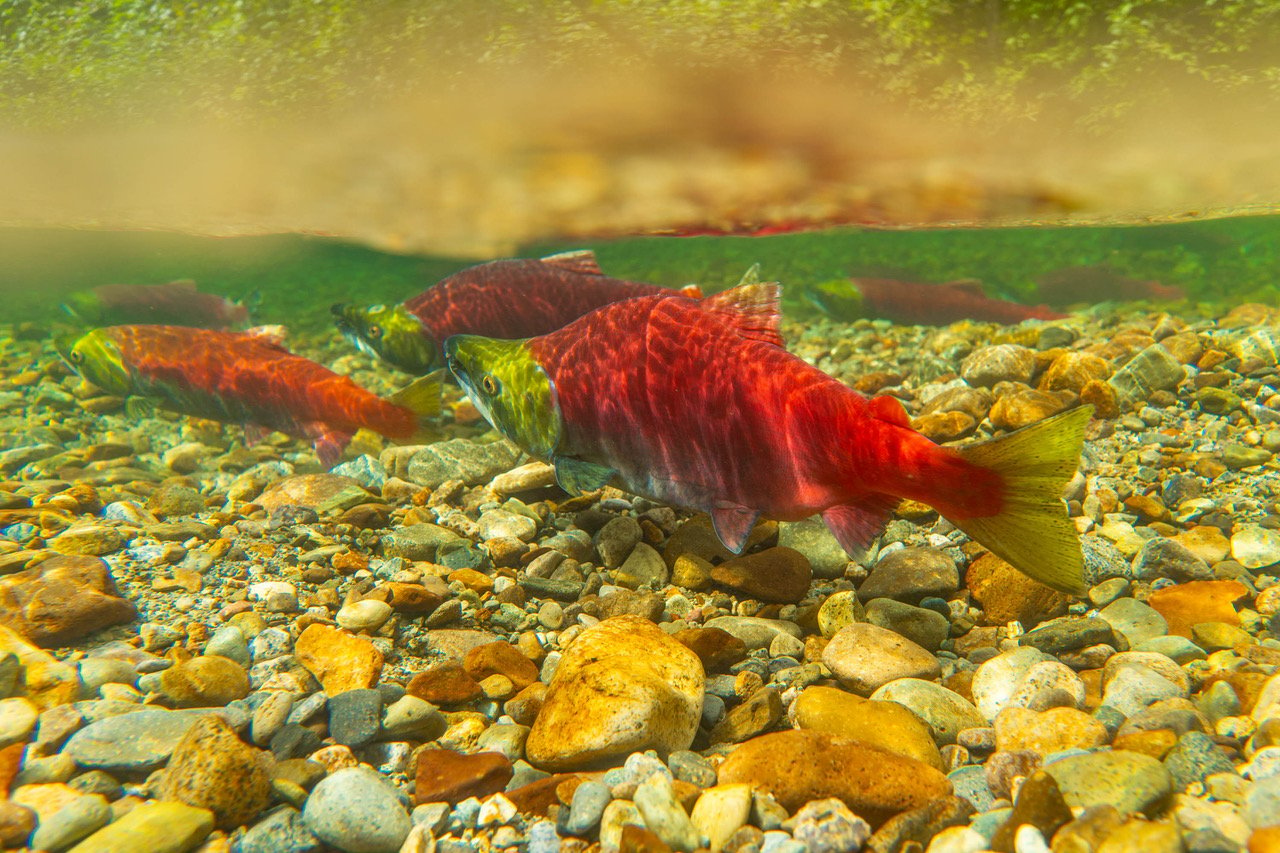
column 329, row 445
column 576, row 476
column 733, row 523
column 140, row 407
column 855, row 525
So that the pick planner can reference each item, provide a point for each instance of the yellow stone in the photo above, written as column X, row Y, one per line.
column 887, row 725
column 339, row 661
column 49, row 681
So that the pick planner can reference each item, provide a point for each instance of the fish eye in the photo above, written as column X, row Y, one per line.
column 489, row 384
column 375, row 331
column 77, row 356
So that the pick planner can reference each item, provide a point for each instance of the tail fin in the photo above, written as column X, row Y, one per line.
column 422, row 397
column 1032, row 531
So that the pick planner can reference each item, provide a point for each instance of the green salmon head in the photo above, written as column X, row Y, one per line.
column 390, row 333
column 97, row 359
column 839, row 298
column 510, row 388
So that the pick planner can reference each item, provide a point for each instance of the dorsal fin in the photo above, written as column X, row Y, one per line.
column 967, row 285
column 753, row 309
column 186, row 284
column 692, row 291
column 580, row 261
column 273, row 335
column 889, row 409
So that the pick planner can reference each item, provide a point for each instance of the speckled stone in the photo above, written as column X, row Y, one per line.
column 357, row 811
column 886, row 725
column 338, row 660
column 1128, row 780
column 213, row 769
column 946, row 712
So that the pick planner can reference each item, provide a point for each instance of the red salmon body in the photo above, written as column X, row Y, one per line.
column 522, row 298
column 915, row 303
column 243, row 378
column 703, row 408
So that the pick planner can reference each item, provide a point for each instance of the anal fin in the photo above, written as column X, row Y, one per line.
column 733, row 523
column 577, row 476
column 855, row 525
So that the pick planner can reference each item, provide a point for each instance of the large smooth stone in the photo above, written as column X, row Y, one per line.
column 800, row 766
column 357, row 811
column 623, row 686
column 1130, row 781
column 886, row 725
column 62, row 600
column 864, row 657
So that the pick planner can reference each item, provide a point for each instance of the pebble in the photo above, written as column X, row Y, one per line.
column 357, row 811
column 720, row 812
column 1047, row 732
column 355, row 716
column 205, row 681
column 756, row 632
column 211, row 768
column 78, row 819
column 799, row 766
column 157, row 827
column 1130, row 781
column 135, row 742
column 368, row 614
column 910, row 574
column 1135, row 620
column 1167, row 558
column 1188, row 604
column 827, row 826
column 946, row 712
column 445, row 775
column 338, row 660
column 616, row 539
column 810, row 536
column 777, row 574
column 282, row 831
column 1255, row 547
column 1007, row 595
column 997, row 680
column 887, row 725
column 665, row 816
column 864, row 657
column 587, row 807
column 605, row 701
column 18, row 718
column 926, row 628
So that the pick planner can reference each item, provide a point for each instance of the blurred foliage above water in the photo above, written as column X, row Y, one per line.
column 78, row 60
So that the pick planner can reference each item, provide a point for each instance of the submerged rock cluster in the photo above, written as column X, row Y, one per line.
column 210, row 647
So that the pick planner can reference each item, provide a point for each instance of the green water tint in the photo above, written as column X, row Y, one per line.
column 298, row 277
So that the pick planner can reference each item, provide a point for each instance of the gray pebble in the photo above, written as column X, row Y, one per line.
column 76, row 820
column 304, row 709
column 357, row 811
column 692, row 768
column 229, row 642
column 269, row 716
column 355, row 716
column 827, row 826
column 589, row 801
column 282, row 831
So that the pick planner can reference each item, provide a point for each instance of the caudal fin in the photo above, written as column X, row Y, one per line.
column 422, row 397
column 1032, row 531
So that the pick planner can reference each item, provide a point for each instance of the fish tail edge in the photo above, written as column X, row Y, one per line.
column 1032, row 532
column 422, row 397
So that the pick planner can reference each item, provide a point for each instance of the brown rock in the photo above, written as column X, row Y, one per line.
column 445, row 684
column 691, row 572
column 696, row 536
column 1071, row 371
column 47, row 681
column 1190, row 603
column 95, row 540
column 500, row 658
column 944, row 426
column 777, row 574
column 339, row 661
column 1102, row 396
column 1153, row 742
column 974, row 402
column 1186, row 347
column 477, row 582
column 1024, row 406
column 1039, row 804
column 17, row 822
column 640, row 839
column 1006, row 594
column 1264, row 840
column 715, row 647
column 640, row 603
column 799, row 766
column 1046, row 732
column 919, row 825
column 454, row 643
column 622, row 686
column 415, row 599
column 760, row 712
column 539, row 796
column 10, row 764
column 445, row 776
column 62, row 600
column 204, row 682
column 525, row 706
column 1148, row 508
column 213, row 769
